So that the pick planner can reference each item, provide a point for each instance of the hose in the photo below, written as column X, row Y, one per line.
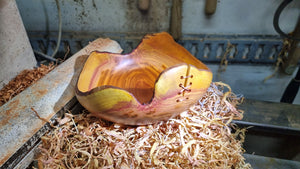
column 51, row 58
column 276, row 20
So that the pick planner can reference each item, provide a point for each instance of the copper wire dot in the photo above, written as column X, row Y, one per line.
column 191, row 83
column 192, row 76
column 177, row 100
column 181, row 77
column 180, row 85
column 187, row 98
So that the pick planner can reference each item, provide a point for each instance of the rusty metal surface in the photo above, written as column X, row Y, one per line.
column 283, row 115
column 18, row 123
column 259, row 162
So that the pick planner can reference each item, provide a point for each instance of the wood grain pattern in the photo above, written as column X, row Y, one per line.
column 154, row 75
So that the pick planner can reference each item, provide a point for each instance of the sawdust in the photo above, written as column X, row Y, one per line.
column 22, row 81
column 200, row 137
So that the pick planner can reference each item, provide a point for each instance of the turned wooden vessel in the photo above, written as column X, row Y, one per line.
column 156, row 81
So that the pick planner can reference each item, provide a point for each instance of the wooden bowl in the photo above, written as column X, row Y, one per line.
column 156, row 81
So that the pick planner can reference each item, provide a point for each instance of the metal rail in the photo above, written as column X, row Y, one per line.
column 208, row 48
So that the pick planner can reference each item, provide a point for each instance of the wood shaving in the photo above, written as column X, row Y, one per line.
column 224, row 61
column 22, row 81
column 198, row 138
column 281, row 58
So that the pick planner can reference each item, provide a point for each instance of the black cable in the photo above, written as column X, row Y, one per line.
column 276, row 20
column 292, row 89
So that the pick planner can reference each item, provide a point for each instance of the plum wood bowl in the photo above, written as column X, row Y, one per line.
column 156, row 81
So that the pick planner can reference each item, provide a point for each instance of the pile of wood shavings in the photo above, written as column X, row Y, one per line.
column 22, row 81
column 198, row 138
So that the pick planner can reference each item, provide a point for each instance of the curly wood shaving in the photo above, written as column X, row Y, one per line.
column 22, row 81
column 197, row 138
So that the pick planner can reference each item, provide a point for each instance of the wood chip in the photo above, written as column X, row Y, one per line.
column 22, row 81
column 198, row 138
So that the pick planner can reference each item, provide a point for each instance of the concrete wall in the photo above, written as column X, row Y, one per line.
column 231, row 17
column 95, row 15
column 238, row 17
column 16, row 52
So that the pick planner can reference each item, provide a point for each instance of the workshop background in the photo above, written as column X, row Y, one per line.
column 246, row 25
column 235, row 39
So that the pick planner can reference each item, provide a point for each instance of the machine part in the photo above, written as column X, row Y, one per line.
column 292, row 89
column 144, row 5
column 282, row 115
column 24, row 156
column 176, row 19
column 259, row 162
column 276, row 20
column 19, row 124
column 16, row 52
column 273, row 129
column 210, row 7
column 207, row 48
